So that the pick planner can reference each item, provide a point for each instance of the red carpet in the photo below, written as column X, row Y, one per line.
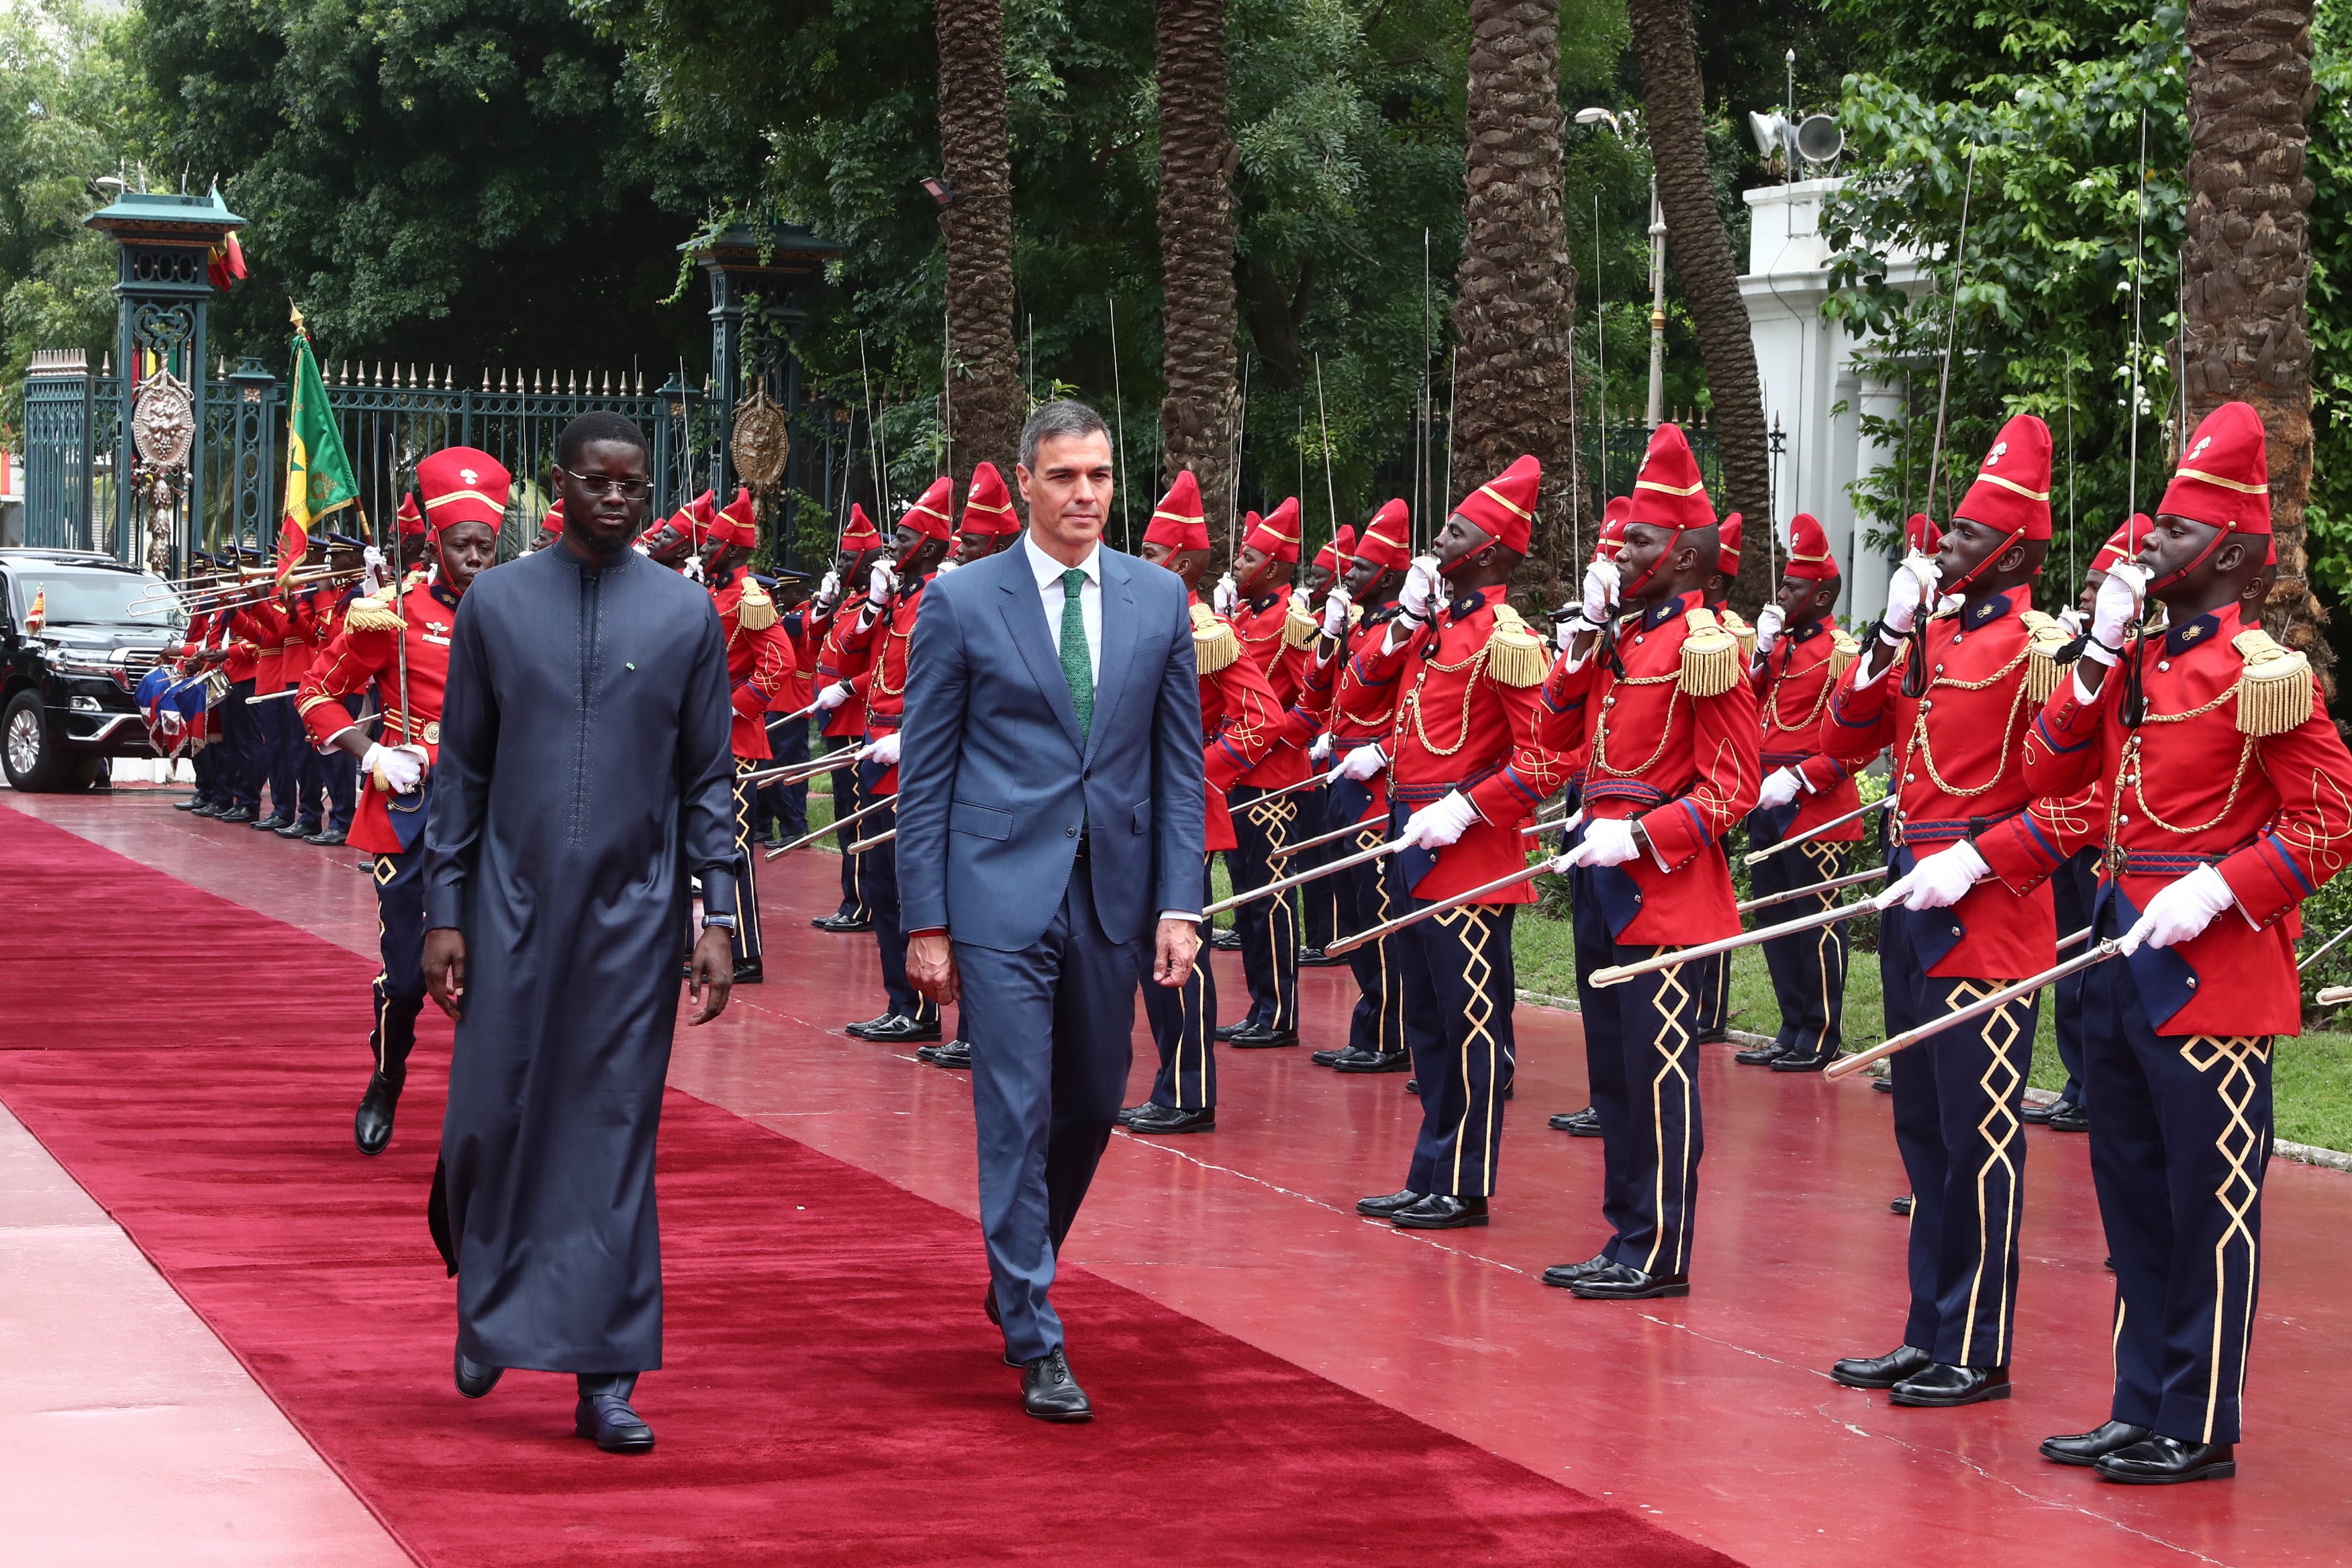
column 831, row 1393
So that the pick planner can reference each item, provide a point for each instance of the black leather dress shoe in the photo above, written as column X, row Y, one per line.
column 272, row 823
column 237, row 813
column 841, row 925
column 1803, row 1061
column 1374, row 1061
column 2068, row 1117
column 1883, row 1085
column 952, row 1054
column 1567, row 1274
column 1942, row 1387
column 859, row 1030
column 1225, row 939
column 1621, row 1282
column 298, row 830
column 750, row 971
column 372, row 1127
column 329, row 837
column 617, row 1428
column 901, row 1030
column 1224, row 1032
column 2165, row 1461
column 1316, row 958
column 1049, row 1392
column 1882, row 1371
column 2036, row 1115
column 1412, row 1087
column 209, row 808
column 1756, row 1056
column 1901, row 1206
column 1161, row 1119
column 2087, row 1448
column 1331, row 1057
column 189, row 803
column 1711, row 1037
column 1584, row 1124
column 1393, row 1203
column 1258, row 1039
column 1440, row 1212
column 474, row 1379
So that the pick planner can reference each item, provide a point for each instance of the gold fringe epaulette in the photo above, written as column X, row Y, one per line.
column 1298, row 630
column 1739, row 628
column 755, row 612
column 2275, row 693
column 1516, row 656
column 378, row 612
column 2046, row 635
column 1711, row 660
column 1215, row 644
column 1843, row 651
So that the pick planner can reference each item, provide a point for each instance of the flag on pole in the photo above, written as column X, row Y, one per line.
column 319, row 479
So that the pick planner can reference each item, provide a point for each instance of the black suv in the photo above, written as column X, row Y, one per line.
column 66, row 690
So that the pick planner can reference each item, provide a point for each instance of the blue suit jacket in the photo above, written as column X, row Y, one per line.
column 996, row 780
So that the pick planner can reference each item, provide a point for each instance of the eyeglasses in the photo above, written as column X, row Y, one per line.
column 597, row 484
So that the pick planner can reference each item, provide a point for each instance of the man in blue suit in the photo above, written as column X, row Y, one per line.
column 1050, row 810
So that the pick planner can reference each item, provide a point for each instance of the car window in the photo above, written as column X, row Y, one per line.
column 70, row 597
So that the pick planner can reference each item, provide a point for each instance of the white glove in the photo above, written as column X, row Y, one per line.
column 833, row 696
column 1420, row 589
column 2116, row 610
column 1600, row 583
column 1937, row 881
column 398, row 769
column 2072, row 620
column 1911, row 587
column 1302, row 600
column 1321, row 752
column 1335, row 613
column 373, row 566
column 1361, row 763
column 880, row 582
column 1439, row 824
column 884, row 749
column 1226, row 594
column 1769, row 622
column 1606, row 842
column 2181, row 908
column 948, row 566
column 1781, row 785
column 828, row 590
column 692, row 567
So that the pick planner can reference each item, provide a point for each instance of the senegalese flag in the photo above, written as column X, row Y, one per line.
column 319, row 479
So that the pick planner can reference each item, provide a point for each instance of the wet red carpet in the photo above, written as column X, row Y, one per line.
column 832, row 1394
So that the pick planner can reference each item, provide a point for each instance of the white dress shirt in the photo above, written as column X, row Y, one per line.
column 1048, row 572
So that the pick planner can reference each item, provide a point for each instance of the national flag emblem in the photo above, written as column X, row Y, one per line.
column 319, row 479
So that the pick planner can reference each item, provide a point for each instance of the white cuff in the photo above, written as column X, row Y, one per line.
column 1192, row 915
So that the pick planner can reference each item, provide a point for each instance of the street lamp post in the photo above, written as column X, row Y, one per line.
column 1629, row 134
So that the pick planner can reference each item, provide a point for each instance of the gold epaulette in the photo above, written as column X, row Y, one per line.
column 1516, row 656
column 2274, row 692
column 2046, row 635
column 755, row 612
column 378, row 612
column 1711, row 661
column 1738, row 627
column 1298, row 628
column 1843, row 651
column 1214, row 645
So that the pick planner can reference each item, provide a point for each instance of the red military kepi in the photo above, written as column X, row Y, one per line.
column 1950, row 694
column 759, row 663
column 1652, row 692
column 396, row 643
column 2208, row 773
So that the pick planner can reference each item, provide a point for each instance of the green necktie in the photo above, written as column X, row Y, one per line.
column 1077, row 663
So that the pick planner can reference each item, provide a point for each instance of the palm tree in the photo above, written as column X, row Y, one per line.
column 1674, row 104
column 2246, row 259
column 984, row 399
column 1515, row 297
column 1196, row 249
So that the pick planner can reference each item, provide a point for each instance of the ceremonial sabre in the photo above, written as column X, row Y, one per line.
column 1321, row 840
column 1283, row 884
column 2334, row 995
column 1830, row 886
column 1309, row 781
column 272, row 695
column 1617, row 975
column 835, row 827
column 2099, row 953
column 834, row 763
column 1532, row 828
column 788, row 718
column 1364, row 938
column 2322, row 949
column 1881, row 804
column 863, row 845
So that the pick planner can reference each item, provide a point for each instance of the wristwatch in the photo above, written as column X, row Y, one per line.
column 724, row 923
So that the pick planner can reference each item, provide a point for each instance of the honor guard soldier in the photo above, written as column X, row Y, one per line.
column 1256, row 600
column 1357, row 711
column 328, row 778
column 1651, row 691
column 758, row 662
column 1967, row 912
column 844, row 721
column 1464, row 769
column 1319, row 901
column 1800, row 653
column 2218, row 787
column 269, row 763
column 397, row 642
column 1239, row 722
column 874, row 640
column 1714, row 999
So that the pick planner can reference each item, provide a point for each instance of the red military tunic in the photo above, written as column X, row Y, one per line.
column 1793, row 684
column 1467, row 721
column 1281, row 645
column 2231, row 767
column 805, row 629
column 367, row 652
column 1670, row 744
column 836, row 662
column 1356, row 709
column 265, row 626
column 878, row 653
column 1241, row 720
column 1960, row 765
column 759, row 659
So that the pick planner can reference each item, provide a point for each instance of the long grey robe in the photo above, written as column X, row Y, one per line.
column 584, row 772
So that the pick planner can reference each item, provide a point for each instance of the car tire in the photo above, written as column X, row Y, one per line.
column 30, row 754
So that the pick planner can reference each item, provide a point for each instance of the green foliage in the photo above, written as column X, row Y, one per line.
column 2329, row 514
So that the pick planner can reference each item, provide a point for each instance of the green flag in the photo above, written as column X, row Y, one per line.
column 319, row 480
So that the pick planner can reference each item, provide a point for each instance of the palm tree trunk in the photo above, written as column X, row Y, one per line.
column 1196, row 250
column 2246, row 260
column 984, row 401
column 1514, row 297
column 1674, row 101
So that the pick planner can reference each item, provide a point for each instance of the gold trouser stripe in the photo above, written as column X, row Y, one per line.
column 2001, row 1129
column 1670, row 981
column 2241, row 1145
column 1281, row 924
column 1476, row 926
